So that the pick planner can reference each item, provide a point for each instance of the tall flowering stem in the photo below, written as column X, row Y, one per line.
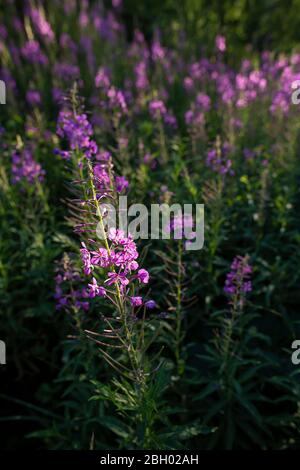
column 237, row 286
column 119, row 299
column 110, row 264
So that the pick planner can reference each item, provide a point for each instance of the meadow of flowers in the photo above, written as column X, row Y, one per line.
column 117, row 343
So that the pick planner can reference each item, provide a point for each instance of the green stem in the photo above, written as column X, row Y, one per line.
column 178, row 337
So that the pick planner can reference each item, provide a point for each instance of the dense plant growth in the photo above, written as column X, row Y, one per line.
column 143, row 344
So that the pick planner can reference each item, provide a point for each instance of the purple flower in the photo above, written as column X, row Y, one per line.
column 132, row 265
column 100, row 258
column 136, row 301
column 115, row 277
column 142, row 81
column 143, row 276
column 194, row 118
column 24, row 167
column 158, row 52
column 31, row 51
column 121, row 183
column 117, row 100
column 157, row 108
column 86, row 259
column 104, row 155
column 78, row 132
column 96, row 290
column 102, row 179
column 203, row 101
column 237, row 280
column 41, row 25
column 62, row 302
column 33, row 97
column 150, row 304
column 218, row 160
column 69, row 297
column 221, row 43
column 102, row 79
column 118, row 258
column 66, row 71
column 188, row 83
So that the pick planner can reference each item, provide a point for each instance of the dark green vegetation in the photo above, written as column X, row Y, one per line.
column 217, row 372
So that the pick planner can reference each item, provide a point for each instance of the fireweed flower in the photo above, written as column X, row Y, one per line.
column 143, row 276
column 41, row 25
column 217, row 159
column 69, row 293
column 66, row 71
column 95, row 290
column 86, row 259
column 136, row 301
column 77, row 130
column 25, row 168
column 150, row 304
column 100, row 258
column 33, row 97
column 102, row 79
column 203, row 101
column 238, row 282
column 221, row 43
column 31, row 51
column 117, row 101
column 158, row 111
column 121, row 183
column 117, row 255
column 103, row 155
column 66, row 42
column 158, row 52
column 157, row 108
column 142, row 82
column 117, row 278
column 188, row 83
column 119, row 259
column 101, row 177
column 194, row 118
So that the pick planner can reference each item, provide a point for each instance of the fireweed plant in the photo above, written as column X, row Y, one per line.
column 122, row 343
column 110, row 273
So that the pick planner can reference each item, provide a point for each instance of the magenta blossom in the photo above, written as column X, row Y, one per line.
column 221, row 43
column 238, row 282
column 121, row 183
column 86, row 259
column 96, row 290
column 136, row 301
column 143, row 276
column 115, row 277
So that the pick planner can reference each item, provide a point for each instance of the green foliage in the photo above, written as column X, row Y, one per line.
column 204, row 376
